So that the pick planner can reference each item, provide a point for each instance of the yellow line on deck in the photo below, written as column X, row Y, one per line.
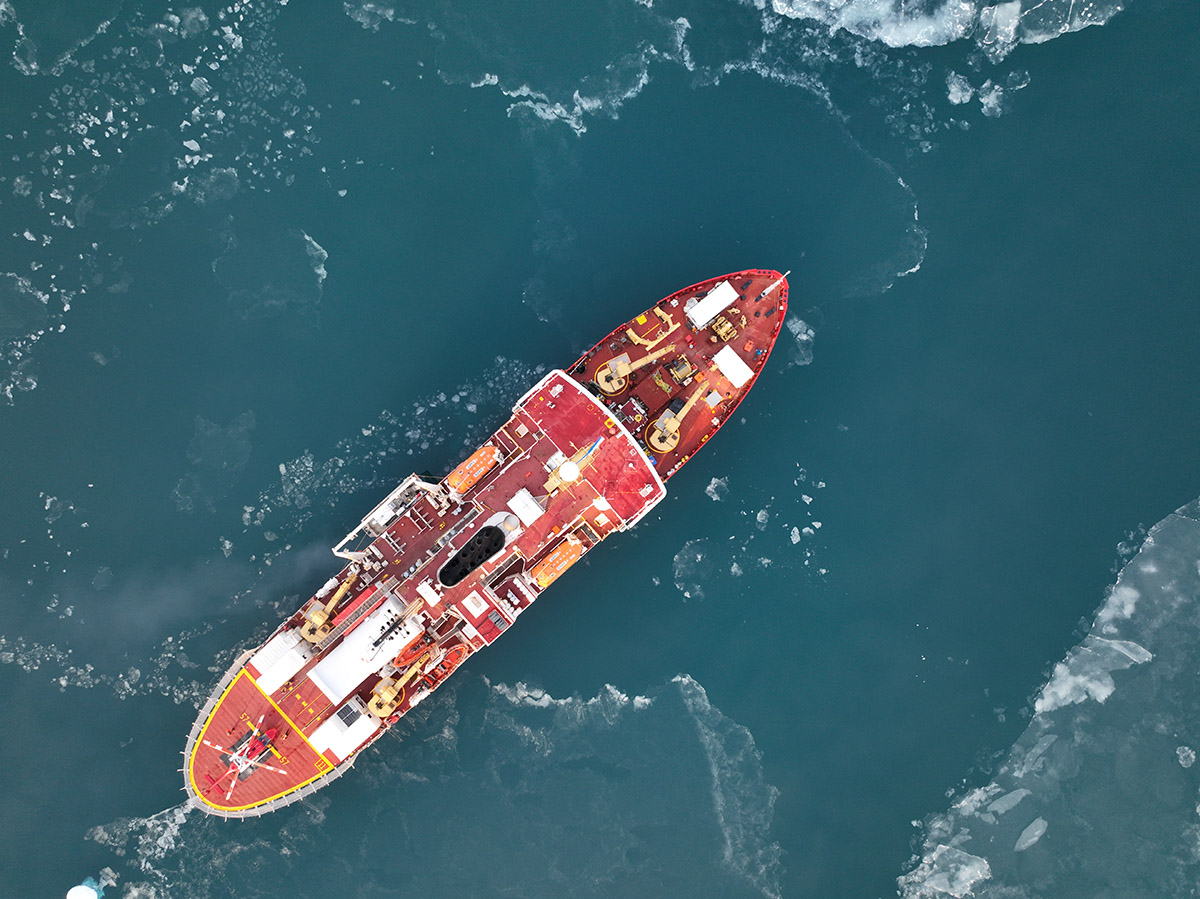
column 200, row 739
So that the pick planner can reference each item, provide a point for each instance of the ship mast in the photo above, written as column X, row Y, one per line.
column 775, row 284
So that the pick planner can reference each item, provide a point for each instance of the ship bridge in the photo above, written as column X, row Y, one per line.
column 592, row 452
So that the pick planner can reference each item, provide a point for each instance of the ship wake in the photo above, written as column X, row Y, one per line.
column 620, row 793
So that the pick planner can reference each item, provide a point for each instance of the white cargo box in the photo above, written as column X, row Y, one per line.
column 732, row 366
column 280, row 658
column 717, row 301
column 526, row 507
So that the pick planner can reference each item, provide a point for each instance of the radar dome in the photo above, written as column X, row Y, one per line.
column 569, row 471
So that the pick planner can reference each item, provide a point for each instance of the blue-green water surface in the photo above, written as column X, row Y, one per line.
column 260, row 261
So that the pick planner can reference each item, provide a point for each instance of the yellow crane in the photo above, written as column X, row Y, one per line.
column 317, row 627
column 386, row 695
column 668, row 325
column 613, row 376
column 663, row 435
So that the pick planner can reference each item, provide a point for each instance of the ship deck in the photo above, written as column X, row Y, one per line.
column 556, row 419
column 754, row 318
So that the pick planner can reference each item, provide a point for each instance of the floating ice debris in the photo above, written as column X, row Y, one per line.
column 1030, row 835
column 434, row 421
column 795, row 535
column 270, row 273
column 801, row 351
column 959, row 89
column 717, row 489
column 693, row 568
column 608, row 702
column 995, row 29
column 317, row 258
column 991, row 98
column 762, row 518
column 945, row 871
column 1086, row 673
column 1186, row 756
column 93, row 887
column 368, row 14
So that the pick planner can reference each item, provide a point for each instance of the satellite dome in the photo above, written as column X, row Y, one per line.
column 569, row 471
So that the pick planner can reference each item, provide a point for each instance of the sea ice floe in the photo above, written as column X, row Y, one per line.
column 693, row 568
column 1008, row 801
column 1086, row 673
column 1121, row 603
column 717, row 489
column 945, row 871
column 801, row 351
column 1103, row 756
column 959, row 89
column 1030, row 835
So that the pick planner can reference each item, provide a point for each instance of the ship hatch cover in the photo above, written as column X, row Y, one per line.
column 486, row 542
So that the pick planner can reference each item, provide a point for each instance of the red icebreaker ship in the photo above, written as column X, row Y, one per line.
column 437, row 571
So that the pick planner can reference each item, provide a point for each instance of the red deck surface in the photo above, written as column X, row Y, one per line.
column 758, row 318
column 242, row 705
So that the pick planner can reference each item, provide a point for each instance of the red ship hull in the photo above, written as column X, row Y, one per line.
column 438, row 571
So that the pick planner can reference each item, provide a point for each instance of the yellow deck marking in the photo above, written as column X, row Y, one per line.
column 322, row 764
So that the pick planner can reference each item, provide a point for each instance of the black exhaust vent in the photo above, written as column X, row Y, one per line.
column 486, row 542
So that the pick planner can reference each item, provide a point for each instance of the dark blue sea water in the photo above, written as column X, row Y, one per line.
column 260, row 261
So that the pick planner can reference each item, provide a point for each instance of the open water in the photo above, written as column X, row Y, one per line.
column 259, row 261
